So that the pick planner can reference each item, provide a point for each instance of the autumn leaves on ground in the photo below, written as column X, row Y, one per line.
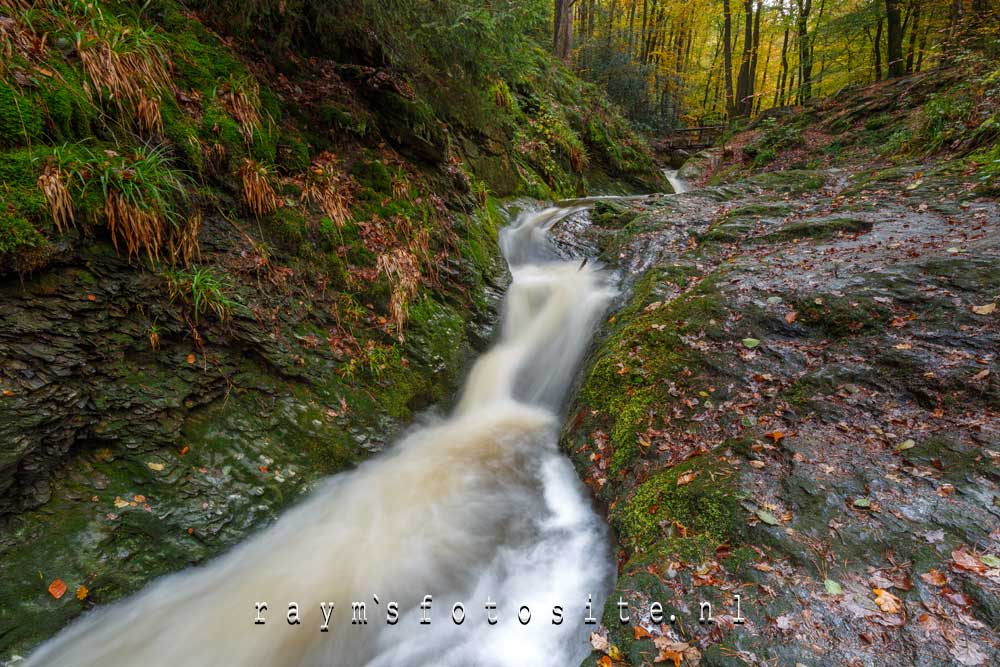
column 799, row 401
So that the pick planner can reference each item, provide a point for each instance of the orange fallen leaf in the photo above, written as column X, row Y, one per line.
column 963, row 560
column 686, row 478
column 667, row 654
column 775, row 435
column 8, row 393
column 791, row 316
column 886, row 601
column 184, row 450
column 91, row 297
column 605, row 661
column 640, row 632
column 81, row 592
column 262, row 468
column 933, row 577
column 57, row 588
column 190, row 358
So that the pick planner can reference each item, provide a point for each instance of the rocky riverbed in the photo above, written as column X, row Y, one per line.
column 799, row 404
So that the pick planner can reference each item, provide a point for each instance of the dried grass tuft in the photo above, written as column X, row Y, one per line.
column 148, row 115
column 257, row 190
column 400, row 267
column 184, row 248
column 330, row 192
column 57, row 195
column 137, row 228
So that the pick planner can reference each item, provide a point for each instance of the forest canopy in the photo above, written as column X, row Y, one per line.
column 672, row 62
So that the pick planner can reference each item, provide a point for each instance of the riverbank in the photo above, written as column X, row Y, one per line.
column 799, row 403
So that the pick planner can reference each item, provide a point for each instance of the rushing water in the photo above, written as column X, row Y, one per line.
column 675, row 182
column 477, row 507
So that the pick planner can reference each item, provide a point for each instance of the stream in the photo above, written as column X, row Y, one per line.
column 479, row 509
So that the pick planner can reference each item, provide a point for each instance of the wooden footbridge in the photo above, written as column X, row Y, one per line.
column 690, row 137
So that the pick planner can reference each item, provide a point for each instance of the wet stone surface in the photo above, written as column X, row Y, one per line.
column 801, row 351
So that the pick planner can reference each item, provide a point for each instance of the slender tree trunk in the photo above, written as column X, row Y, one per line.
column 743, row 91
column 878, row 50
column 728, row 57
column 779, row 91
column 754, row 55
column 894, row 42
column 805, row 52
column 920, row 48
column 914, row 29
column 763, row 80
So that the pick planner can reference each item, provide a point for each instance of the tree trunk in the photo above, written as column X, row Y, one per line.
column 779, row 91
column 878, row 50
column 914, row 29
column 728, row 57
column 754, row 55
column 894, row 42
column 805, row 52
column 743, row 79
column 763, row 80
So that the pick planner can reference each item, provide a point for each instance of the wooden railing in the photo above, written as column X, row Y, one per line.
column 690, row 137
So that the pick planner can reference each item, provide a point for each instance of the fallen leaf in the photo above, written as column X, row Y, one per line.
column 968, row 653
column 751, row 342
column 791, row 316
column 985, row 309
column 640, row 632
column 933, row 577
column 833, row 588
column 81, row 592
column 776, row 436
column 91, row 297
column 605, row 661
column 119, row 503
column 156, row 467
column 599, row 642
column 863, row 503
column 57, row 588
column 886, row 601
column 767, row 517
column 687, row 478
column 906, row 444
column 990, row 560
column 963, row 560
column 190, row 358
column 184, row 450
column 139, row 498
column 981, row 375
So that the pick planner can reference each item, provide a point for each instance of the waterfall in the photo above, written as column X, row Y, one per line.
column 479, row 508
column 675, row 182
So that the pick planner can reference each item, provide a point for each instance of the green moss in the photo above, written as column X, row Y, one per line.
column 292, row 151
column 840, row 317
column 820, row 229
column 373, row 174
column 790, row 180
column 706, row 509
column 20, row 120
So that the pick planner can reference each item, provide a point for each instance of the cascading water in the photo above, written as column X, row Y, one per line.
column 479, row 509
column 676, row 183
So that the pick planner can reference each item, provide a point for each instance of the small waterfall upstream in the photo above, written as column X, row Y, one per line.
column 476, row 508
column 676, row 183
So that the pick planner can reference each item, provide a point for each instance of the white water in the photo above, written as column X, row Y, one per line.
column 676, row 183
column 478, row 505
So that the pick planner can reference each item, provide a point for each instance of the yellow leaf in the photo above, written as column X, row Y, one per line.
column 157, row 467
column 886, row 601
column 57, row 588
column 119, row 503
column 81, row 592
column 985, row 309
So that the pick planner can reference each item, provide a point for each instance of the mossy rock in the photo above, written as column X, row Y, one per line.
column 790, row 181
column 21, row 122
column 672, row 514
column 612, row 214
column 842, row 316
column 823, row 228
